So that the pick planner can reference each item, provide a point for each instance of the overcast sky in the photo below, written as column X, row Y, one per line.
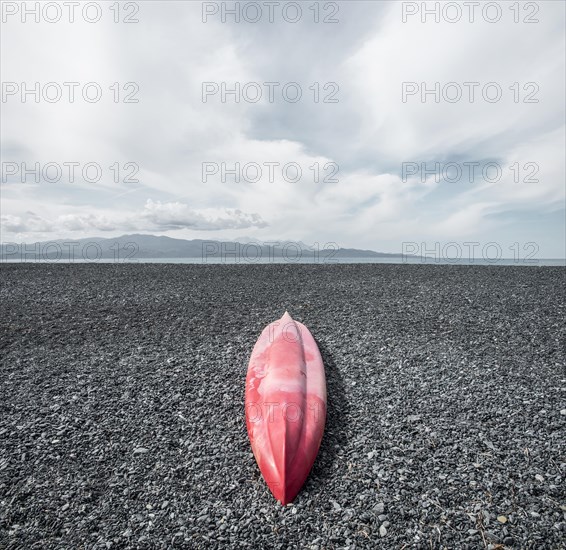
column 364, row 197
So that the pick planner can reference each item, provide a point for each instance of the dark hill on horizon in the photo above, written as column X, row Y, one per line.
column 138, row 246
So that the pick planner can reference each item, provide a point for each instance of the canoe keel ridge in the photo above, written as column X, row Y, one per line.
column 285, row 405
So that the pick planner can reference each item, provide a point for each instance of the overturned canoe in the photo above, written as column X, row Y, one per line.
column 285, row 405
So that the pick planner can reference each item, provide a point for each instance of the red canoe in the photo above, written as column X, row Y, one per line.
column 285, row 405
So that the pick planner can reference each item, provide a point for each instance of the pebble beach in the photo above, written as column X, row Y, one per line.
column 122, row 406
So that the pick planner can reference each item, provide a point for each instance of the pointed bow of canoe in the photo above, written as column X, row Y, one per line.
column 285, row 405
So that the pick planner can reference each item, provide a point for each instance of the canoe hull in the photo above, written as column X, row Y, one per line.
column 285, row 405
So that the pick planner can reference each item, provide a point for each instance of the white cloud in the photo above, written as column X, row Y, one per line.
column 27, row 223
column 176, row 215
column 156, row 216
column 170, row 132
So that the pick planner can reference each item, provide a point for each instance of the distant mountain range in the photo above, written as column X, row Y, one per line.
column 139, row 247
